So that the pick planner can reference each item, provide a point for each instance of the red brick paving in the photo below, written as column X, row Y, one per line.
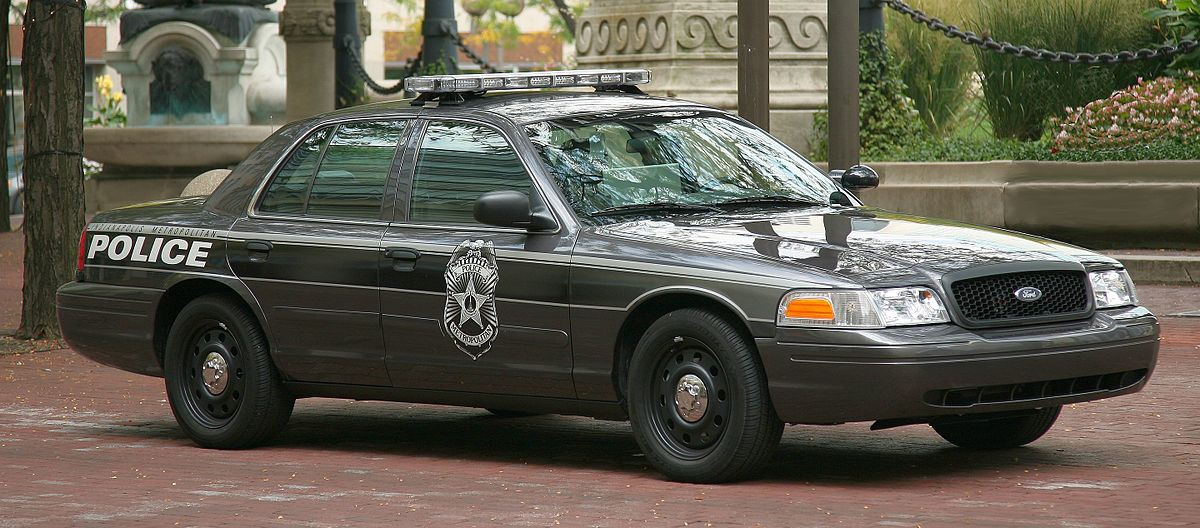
column 83, row 444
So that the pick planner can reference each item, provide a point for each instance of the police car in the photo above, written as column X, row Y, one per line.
column 600, row 253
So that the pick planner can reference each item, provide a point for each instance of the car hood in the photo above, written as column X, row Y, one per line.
column 868, row 246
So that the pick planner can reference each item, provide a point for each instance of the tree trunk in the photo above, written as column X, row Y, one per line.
column 5, row 226
column 52, row 68
column 565, row 12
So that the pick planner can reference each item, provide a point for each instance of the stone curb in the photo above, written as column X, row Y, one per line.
column 1166, row 269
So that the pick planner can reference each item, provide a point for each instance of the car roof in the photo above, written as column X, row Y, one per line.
column 527, row 106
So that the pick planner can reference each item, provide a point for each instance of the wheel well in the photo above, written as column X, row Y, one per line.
column 651, row 310
column 173, row 301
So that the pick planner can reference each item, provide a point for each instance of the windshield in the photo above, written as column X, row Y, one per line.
column 670, row 162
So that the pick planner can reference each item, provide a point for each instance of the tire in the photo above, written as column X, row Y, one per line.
column 504, row 413
column 249, row 404
column 730, row 430
column 999, row 433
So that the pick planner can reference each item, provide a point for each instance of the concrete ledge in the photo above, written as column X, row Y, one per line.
column 173, row 146
column 1111, row 204
column 1161, row 268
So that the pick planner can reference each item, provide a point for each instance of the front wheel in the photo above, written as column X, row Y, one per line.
column 698, row 399
column 985, row 432
column 221, row 383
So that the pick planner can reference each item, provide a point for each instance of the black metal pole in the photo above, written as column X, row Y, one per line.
column 348, row 86
column 870, row 16
column 754, row 85
column 843, row 84
column 438, row 29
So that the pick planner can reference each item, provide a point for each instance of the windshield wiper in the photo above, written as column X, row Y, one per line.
column 767, row 199
column 653, row 206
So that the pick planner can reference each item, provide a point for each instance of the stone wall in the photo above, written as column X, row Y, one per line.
column 691, row 47
column 1103, row 205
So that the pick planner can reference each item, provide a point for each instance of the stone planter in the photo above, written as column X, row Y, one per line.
column 1102, row 205
column 151, row 163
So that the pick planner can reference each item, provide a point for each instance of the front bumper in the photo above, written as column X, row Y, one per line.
column 833, row 376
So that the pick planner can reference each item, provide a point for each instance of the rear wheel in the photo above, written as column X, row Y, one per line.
column 221, row 383
column 987, row 432
column 698, row 399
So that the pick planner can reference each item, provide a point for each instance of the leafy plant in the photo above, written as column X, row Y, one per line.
column 1179, row 20
column 1022, row 93
column 109, row 113
column 1162, row 109
column 936, row 70
column 886, row 116
column 929, row 149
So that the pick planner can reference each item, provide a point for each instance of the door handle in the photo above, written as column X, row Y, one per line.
column 403, row 259
column 258, row 250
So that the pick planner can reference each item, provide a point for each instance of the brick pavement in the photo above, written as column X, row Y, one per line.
column 86, row 445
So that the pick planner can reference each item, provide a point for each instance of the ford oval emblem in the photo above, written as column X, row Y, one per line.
column 1028, row 294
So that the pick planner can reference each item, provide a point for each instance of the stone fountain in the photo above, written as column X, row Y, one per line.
column 205, row 83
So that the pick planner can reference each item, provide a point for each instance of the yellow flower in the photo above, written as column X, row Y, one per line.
column 118, row 97
column 104, row 83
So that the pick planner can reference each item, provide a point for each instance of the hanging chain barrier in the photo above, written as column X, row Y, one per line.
column 483, row 65
column 1008, row 48
column 410, row 67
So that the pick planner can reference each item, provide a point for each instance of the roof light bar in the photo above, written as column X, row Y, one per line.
column 526, row 80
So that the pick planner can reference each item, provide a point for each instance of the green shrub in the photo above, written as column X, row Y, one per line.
column 927, row 149
column 1022, row 93
column 886, row 116
column 1161, row 109
column 1179, row 20
column 936, row 70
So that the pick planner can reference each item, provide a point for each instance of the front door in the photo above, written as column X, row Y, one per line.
column 310, row 252
column 469, row 307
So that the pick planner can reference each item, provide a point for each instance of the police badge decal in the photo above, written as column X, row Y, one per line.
column 470, row 317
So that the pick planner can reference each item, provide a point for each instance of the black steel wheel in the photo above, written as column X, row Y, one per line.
column 698, row 399
column 222, row 386
column 998, row 431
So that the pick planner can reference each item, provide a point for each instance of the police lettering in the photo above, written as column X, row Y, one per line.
column 172, row 251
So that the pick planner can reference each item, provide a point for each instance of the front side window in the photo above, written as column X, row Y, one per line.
column 458, row 162
column 337, row 172
column 698, row 159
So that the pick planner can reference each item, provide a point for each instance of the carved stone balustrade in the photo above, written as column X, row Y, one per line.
column 691, row 46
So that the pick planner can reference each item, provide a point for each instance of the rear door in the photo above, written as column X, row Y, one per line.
column 469, row 307
column 309, row 251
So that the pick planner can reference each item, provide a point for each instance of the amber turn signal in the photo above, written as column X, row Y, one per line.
column 810, row 308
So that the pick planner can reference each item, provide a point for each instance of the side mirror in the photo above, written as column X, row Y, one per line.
column 858, row 177
column 511, row 209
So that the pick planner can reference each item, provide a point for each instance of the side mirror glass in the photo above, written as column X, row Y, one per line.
column 511, row 209
column 859, row 177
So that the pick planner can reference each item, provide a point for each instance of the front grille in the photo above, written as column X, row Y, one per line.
column 1013, row 392
column 993, row 298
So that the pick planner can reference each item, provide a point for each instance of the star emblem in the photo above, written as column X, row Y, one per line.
column 469, row 304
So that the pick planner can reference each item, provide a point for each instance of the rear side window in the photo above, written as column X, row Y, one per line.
column 337, row 173
column 458, row 162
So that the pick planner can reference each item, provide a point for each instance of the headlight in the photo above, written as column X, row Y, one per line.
column 1112, row 288
column 862, row 308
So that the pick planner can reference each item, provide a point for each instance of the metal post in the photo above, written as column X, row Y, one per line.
column 754, row 84
column 348, row 86
column 870, row 16
column 843, row 83
column 438, row 29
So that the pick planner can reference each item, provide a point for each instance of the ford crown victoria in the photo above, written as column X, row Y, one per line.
column 601, row 253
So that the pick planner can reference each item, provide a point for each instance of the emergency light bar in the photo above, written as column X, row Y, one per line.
column 435, row 84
